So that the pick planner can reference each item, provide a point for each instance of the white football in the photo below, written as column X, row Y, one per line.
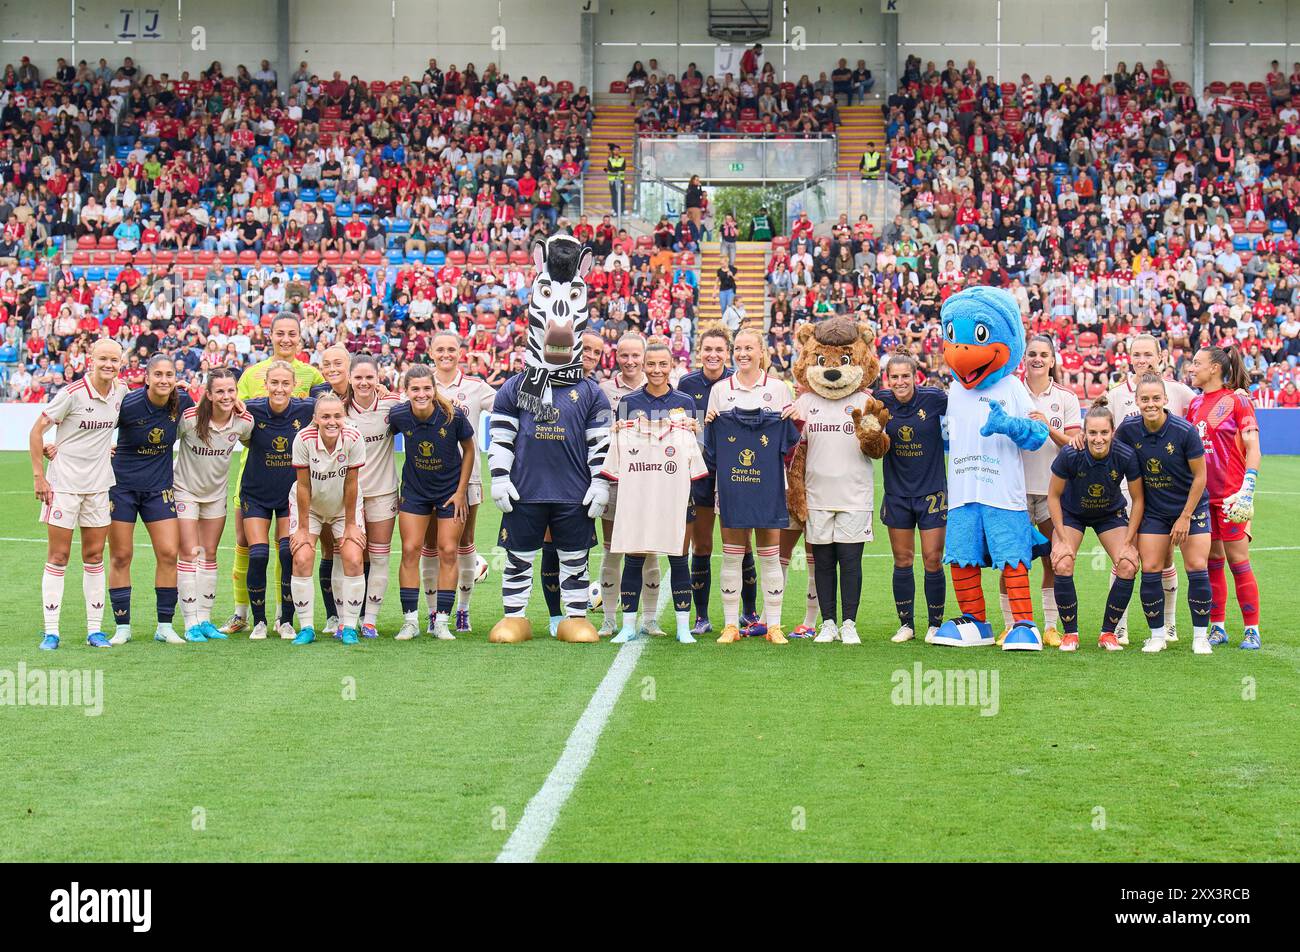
column 594, row 601
column 480, row 568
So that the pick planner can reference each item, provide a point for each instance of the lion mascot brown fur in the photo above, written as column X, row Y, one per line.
column 836, row 360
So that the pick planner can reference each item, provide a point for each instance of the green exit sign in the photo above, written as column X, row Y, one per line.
column 737, row 166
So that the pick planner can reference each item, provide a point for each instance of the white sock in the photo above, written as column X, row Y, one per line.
column 772, row 579
column 651, row 576
column 611, row 567
column 1050, row 616
column 466, row 562
column 206, row 583
column 683, row 622
column 92, row 588
column 812, row 607
column 1201, row 632
column 629, row 621
column 429, row 576
column 52, row 595
column 186, row 591
column 1158, row 634
column 665, row 596
column 377, row 584
column 730, row 582
column 241, row 611
column 354, row 593
column 304, row 600
column 1169, row 580
column 1004, row 600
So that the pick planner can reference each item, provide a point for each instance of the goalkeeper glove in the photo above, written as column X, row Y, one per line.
column 1240, row 506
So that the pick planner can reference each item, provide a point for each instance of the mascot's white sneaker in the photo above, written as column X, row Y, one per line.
column 905, row 633
column 1023, row 636
column 830, row 632
column 849, row 633
column 930, row 633
column 963, row 632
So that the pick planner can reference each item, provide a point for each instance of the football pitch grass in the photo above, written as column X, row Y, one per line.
column 430, row 750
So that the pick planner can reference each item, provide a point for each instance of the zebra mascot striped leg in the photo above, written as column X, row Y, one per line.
column 550, row 434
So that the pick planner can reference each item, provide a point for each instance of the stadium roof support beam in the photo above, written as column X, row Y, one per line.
column 891, row 52
column 1198, row 46
column 283, row 69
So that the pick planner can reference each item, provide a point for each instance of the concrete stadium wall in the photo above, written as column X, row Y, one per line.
column 389, row 38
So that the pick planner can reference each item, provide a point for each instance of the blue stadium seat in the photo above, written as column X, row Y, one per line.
column 1241, row 242
column 94, row 274
column 395, row 256
column 343, row 210
column 1277, row 226
column 436, row 258
column 365, row 208
column 399, row 226
column 328, row 195
column 308, row 194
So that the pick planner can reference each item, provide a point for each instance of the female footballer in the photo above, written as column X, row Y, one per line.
column 327, row 456
column 1176, row 511
column 264, row 489
column 368, row 409
column 142, row 468
column 335, row 363
column 1084, row 493
column 1058, row 409
column 1225, row 421
column 207, row 434
column 751, row 388
column 1145, row 356
column 74, row 492
column 473, row 397
column 916, row 492
column 435, row 488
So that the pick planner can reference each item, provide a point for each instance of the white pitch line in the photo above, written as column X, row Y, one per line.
column 544, row 808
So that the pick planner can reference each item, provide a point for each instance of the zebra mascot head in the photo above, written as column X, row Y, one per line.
column 557, row 316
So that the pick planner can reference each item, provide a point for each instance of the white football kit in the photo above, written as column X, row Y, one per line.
column 202, row 470
column 81, row 474
column 655, row 462
column 328, row 470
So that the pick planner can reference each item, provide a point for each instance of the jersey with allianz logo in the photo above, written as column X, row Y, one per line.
column 838, row 476
column 1095, row 487
column 1122, row 399
column 84, row 423
column 475, row 397
column 654, row 463
column 328, row 467
column 431, row 470
column 1061, row 407
column 379, row 478
column 145, row 434
column 1163, row 457
column 551, row 458
column 268, row 471
column 746, row 450
column 914, row 465
column 616, row 388
column 203, row 466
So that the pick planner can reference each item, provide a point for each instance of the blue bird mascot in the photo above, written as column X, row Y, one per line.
column 989, row 428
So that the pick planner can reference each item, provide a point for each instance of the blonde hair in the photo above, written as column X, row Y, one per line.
column 764, row 359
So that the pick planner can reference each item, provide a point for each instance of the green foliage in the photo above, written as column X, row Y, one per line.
column 744, row 202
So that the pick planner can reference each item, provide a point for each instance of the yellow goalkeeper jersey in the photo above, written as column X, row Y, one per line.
column 252, row 382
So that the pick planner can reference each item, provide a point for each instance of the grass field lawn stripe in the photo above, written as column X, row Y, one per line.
column 544, row 808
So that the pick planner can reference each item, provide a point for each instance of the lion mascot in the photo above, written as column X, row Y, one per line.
column 988, row 429
column 549, row 437
column 842, row 430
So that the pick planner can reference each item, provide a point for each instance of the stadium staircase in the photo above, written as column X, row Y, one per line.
column 858, row 126
column 751, row 270
column 615, row 122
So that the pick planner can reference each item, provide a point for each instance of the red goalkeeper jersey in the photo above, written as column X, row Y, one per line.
column 1220, row 419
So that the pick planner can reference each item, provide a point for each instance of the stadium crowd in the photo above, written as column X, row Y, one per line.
column 180, row 214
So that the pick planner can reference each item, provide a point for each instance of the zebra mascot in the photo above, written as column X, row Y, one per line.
column 550, row 434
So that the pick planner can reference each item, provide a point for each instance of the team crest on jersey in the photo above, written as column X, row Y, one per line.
column 1169, row 448
column 1153, row 466
column 764, row 440
column 746, row 457
column 156, row 435
column 1201, row 429
column 767, row 398
column 573, row 395
column 58, row 513
column 296, row 424
column 1096, row 490
column 280, row 444
column 670, row 451
column 231, row 438
column 504, row 534
column 426, row 448
column 180, row 507
column 905, row 434
column 442, row 432
column 921, row 413
column 341, row 458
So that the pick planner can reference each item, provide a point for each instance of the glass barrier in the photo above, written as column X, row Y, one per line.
column 735, row 159
column 826, row 198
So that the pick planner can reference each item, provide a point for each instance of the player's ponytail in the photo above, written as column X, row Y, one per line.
column 1231, row 367
column 1100, row 409
column 203, row 415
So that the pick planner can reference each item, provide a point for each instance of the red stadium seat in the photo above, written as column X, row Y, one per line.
column 498, row 258
column 228, row 257
column 122, row 258
column 164, row 257
column 186, row 258
column 107, row 243
column 101, row 258
column 247, row 257
column 269, row 257
column 618, row 87
column 289, row 257
column 519, row 257
column 311, row 257
column 456, row 257
column 1087, row 339
column 207, row 257
column 86, row 243
column 80, row 259
column 477, row 257
column 370, row 258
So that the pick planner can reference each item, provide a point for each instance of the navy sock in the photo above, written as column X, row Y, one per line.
column 258, row 557
column 630, row 588
column 551, row 579
column 1067, row 603
column 446, row 600
column 121, row 601
column 1121, row 592
column 410, row 600
column 1199, row 597
column 904, row 594
column 327, row 587
column 936, row 596
column 286, row 579
column 702, row 582
column 165, row 598
column 1153, row 599
column 679, row 577
column 749, row 584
